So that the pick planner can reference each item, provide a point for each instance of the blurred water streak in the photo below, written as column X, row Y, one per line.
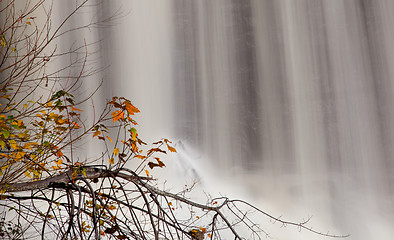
column 291, row 101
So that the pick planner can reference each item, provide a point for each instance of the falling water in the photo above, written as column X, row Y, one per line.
column 288, row 103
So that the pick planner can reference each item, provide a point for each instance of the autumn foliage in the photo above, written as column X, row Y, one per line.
column 38, row 129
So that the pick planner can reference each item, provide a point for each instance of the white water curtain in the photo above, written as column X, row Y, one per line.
column 288, row 102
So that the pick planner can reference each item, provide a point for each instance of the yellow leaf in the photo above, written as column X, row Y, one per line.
column 147, row 173
column 13, row 144
column 14, row 49
column 110, row 139
column 19, row 155
column 59, row 162
column 60, row 121
column 75, row 109
column 4, row 167
column 53, row 115
column 29, row 23
column 116, row 151
column 27, row 174
column 111, row 160
column 25, row 106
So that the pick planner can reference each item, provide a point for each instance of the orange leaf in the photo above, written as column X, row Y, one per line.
column 59, row 153
column 117, row 115
column 147, row 173
column 131, row 109
column 75, row 109
column 96, row 133
column 134, row 147
column 110, row 139
column 171, row 148
column 111, row 160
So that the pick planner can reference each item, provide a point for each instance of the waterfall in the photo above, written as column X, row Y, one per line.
column 289, row 102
